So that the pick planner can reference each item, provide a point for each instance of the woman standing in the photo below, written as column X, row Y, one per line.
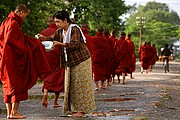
column 79, row 95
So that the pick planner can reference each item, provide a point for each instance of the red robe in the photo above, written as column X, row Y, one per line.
column 123, row 56
column 54, row 79
column 22, row 60
column 113, row 63
column 144, row 56
column 50, row 30
column 132, row 63
column 154, row 56
column 100, row 57
column 89, row 41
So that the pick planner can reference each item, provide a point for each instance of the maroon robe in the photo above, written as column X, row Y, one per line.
column 54, row 79
column 123, row 56
column 100, row 57
column 132, row 64
column 113, row 63
column 154, row 56
column 144, row 56
column 22, row 60
column 89, row 41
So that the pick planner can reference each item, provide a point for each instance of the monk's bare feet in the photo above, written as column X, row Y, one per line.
column 45, row 100
column 17, row 116
column 118, row 81
column 56, row 106
column 123, row 81
column 79, row 114
column 108, row 84
column 103, row 87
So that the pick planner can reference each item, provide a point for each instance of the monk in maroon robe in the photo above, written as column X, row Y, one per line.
column 123, row 57
column 112, row 42
column 89, row 41
column 151, row 54
column 22, row 61
column 54, row 79
column 112, row 65
column 132, row 64
column 144, row 57
column 100, row 58
column 154, row 57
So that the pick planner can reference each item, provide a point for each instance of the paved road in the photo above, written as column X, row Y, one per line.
column 151, row 96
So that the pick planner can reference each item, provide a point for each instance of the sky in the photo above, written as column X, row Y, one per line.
column 173, row 4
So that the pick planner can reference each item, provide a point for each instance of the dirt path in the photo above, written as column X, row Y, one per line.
column 152, row 96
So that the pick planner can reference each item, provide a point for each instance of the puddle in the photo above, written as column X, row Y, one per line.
column 116, row 99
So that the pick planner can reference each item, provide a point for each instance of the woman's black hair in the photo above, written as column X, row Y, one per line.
column 62, row 15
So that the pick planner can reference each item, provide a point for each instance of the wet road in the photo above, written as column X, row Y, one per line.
column 150, row 96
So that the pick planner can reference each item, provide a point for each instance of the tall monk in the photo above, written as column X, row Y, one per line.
column 132, row 66
column 123, row 57
column 54, row 79
column 100, row 58
column 22, row 61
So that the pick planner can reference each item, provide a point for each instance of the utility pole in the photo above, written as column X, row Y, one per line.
column 140, row 21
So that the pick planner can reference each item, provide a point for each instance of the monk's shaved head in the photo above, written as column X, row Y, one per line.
column 22, row 7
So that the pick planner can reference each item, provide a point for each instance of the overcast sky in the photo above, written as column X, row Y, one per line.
column 173, row 4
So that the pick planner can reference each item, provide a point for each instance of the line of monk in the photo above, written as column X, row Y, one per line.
column 147, row 56
column 110, row 56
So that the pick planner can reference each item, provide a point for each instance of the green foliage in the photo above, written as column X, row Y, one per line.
column 93, row 12
column 40, row 11
column 159, row 26
column 96, row 13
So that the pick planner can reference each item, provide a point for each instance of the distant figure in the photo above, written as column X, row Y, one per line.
column 54, row 79
column 154, row 57
column 22, row 61
column 166, row 53
column 171, row 49
column 144, row 57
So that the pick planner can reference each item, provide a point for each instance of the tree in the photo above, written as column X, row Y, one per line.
column 40, row 11
column 93, row 12
column 160, row 24
column 96, row 13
